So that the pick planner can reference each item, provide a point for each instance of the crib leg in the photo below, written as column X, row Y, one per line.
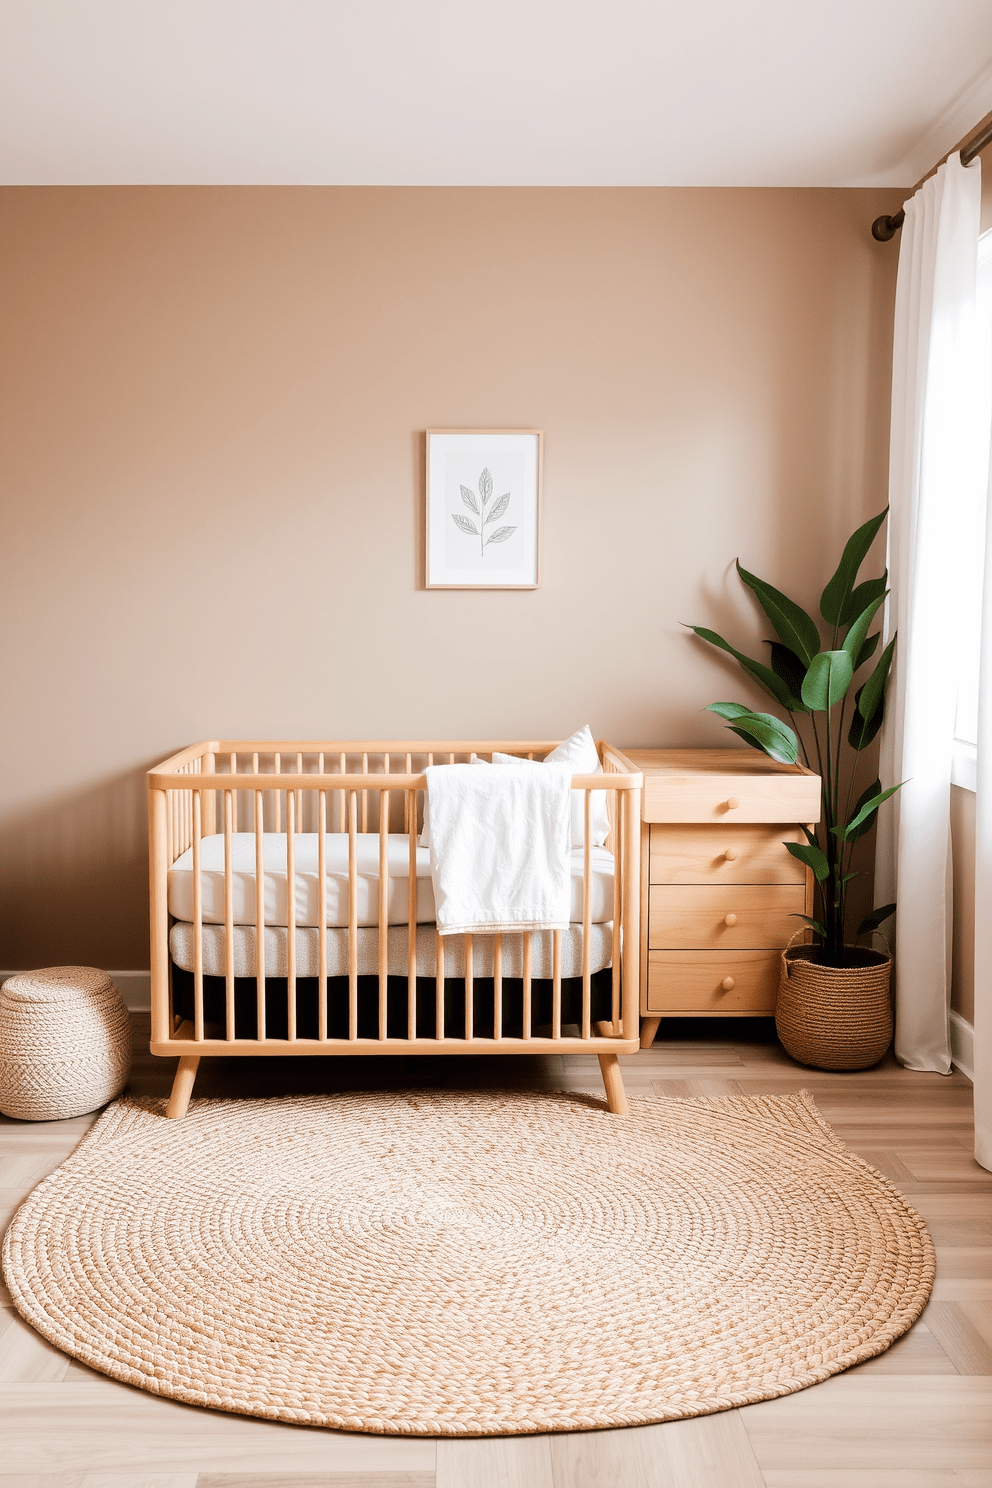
column 616, row 1096
column 649, row 1027
column 182, row 1087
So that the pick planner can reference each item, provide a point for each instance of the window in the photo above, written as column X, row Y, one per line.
column 972, row 558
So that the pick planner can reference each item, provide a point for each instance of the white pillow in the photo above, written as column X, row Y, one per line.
column 580, row 752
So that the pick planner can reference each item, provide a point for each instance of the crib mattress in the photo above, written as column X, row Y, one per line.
column 181, row 946
column 336, row 898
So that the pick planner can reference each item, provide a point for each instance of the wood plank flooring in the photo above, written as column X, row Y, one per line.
column 918, row 1416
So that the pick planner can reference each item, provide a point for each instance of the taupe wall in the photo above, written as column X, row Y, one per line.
column 214, row 404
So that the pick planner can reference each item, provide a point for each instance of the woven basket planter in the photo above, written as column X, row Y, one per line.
column 834, row 1017
column 65, row 1043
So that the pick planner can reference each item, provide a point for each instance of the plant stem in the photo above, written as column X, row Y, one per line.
column 830, row 818
column 795, row 729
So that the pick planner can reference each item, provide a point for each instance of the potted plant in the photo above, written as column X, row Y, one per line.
column 833, row 1009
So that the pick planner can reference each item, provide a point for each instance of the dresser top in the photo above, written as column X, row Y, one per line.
column 723, row 785
column 708, row 762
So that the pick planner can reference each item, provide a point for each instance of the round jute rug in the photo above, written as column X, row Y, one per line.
column 446, row 1263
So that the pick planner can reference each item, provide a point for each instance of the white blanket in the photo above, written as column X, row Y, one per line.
column 499, row 847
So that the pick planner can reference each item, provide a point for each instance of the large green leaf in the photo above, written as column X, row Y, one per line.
column 728, row 710
column 812, row 857
column 876, row 918
column 868, row 650
column 858, row 633
column 763, row 675
column 862, row 596
column 791, row 622
column 787, row 666
column 852, row 832
column 863, row 730
column 827, row 680
column 873, row 692
column 764, row 732
column 865, row 815
column 836, row 595
column 813, row 924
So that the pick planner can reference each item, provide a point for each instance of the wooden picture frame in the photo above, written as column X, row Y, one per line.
column 483, row 508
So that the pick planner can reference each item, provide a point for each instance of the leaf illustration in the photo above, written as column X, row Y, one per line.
column 499, row 508
column 469, row 498
column 500, row 535
column 464, row 523
column 485, row 486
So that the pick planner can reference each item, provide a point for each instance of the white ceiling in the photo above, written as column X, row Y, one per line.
column 489, row 92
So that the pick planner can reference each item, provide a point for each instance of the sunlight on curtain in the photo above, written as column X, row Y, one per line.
column 983, row 787
column 938, row 449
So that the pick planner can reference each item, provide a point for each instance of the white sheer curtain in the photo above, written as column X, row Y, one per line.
column 935, row 448
column 983, row 867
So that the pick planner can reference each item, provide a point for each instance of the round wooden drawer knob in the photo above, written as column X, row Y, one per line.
column 731, row 852
column 730, row 919
column 727, row 984
column 732, row 803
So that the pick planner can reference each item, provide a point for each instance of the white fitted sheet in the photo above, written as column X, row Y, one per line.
column 307, row 888
column 181, row 946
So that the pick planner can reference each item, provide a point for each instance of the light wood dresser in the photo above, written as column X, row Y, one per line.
column 718, row 888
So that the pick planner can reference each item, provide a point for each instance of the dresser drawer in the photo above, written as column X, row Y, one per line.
column 729, row 917
column 727, row 799
column 695, row 981
column 731, row 854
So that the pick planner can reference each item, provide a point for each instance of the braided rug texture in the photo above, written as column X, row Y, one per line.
column 444, row 1263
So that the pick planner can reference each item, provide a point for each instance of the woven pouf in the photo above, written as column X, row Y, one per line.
column 65, row 1043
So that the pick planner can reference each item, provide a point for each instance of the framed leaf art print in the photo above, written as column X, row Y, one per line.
column 483, row 508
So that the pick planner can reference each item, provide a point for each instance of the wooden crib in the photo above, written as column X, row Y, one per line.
column 217, row 800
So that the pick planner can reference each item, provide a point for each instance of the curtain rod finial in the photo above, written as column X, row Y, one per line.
column 885, row 228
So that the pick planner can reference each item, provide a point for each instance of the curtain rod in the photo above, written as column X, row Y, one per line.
column 884, row 228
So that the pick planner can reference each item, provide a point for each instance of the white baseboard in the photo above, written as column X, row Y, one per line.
column 135, row 987
column 963, row 1045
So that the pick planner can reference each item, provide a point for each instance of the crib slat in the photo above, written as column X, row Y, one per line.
column 556, row 985
column 290, row 915
column 299, row 793
column 469, row 986
column 233, row 767
column 586, row 919
column 528, row 939
column 365, row 795
column 438, row 985
column 277, row 766
column 322, row 911
column 410, row 814
column 617, row 847
column 383, row 908
column 631, row 840
column 229, row 809
column 208, row 799
column 197, row 922
column 342, row 770
column 352, row 914
column 259, row 911
column 407, row 803
column 497, row 986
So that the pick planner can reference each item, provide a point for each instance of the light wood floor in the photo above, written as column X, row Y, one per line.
column 918, row 1416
